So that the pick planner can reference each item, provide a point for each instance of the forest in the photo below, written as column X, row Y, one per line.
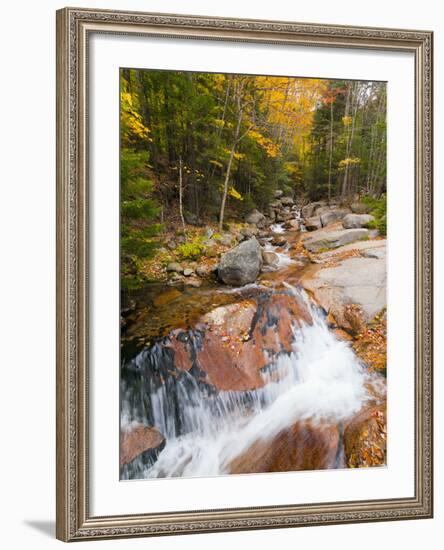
column 201, row 149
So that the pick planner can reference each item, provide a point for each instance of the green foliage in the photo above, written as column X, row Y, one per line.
column 191, row 250
column 378, row 209
column 138, row 211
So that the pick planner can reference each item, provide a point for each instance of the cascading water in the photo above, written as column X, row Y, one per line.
column 321, row 380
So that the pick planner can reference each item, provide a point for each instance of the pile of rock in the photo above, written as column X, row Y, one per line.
column 282, row 209
column 320, row 214
column 190, row 274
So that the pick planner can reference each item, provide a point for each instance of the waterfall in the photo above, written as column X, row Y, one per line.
column 321, row 380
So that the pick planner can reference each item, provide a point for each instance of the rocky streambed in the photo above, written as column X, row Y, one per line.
column 268, row 374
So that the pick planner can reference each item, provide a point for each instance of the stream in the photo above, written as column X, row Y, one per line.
column 293, row 420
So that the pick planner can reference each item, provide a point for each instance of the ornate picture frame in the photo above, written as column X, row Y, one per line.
column 74, row 519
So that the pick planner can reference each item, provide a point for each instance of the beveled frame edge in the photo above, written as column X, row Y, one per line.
column 72, row 518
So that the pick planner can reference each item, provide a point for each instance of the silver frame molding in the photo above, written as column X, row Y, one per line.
column 74, row 521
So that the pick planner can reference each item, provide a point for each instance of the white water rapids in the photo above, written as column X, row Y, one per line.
column 321, row 380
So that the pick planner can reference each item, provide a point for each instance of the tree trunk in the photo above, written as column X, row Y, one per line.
column 230, row 162
column 354, row 105
column 330, row 157
column 182, row 219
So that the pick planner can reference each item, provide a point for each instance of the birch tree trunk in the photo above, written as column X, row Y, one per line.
column 182, row 219
column 330, row 157
column 227, row 173
column 354, row 106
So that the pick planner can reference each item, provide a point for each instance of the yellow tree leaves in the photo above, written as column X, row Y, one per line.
column 350, row 161
column 235, row 194
column 267, row 144
column 132, row 125
column 291, row 104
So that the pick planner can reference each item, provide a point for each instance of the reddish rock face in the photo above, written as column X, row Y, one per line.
column 303, row 446
column 138, row 440
column 365, row 438
column 240, row 339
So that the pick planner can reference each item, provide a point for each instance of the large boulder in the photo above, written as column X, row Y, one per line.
column 333, row 239
column 359, row 208
column 236, row 341
column 139, row 440
column 313, row 223
column 331, row 216
column 321, row 210
column 242, row 338
column 305, row 445
column 310, row 209
column 256, row 218
column 307, row 210
column 241, row 265
column 358, row 280
column 352, row 221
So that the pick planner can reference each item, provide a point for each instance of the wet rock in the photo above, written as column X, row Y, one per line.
column 311, row 224
column 359, row 208
column 175, row 279
column 256, row 218
column 365, row 438
column 351, row 221
column 333, row 239
column 242, row 338
column 174, row 267
column 193, row 282
column 270, row 258
column 278, row 240
column 304, row 446
column 138, row 440
column 293, row 225
column 342, row 335
column 241, row 265
column 276, row 205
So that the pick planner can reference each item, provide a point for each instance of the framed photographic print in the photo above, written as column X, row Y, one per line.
column 244, row 274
